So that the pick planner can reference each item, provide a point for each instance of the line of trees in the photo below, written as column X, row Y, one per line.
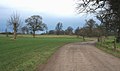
column 92, row 29
column 34, row 23
column 59, row 30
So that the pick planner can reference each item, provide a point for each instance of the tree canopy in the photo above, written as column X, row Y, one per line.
column 35, row 24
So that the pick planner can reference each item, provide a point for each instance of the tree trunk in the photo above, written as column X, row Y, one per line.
column 114, row 44
column 77, row 36
column 101, row 40
column 118, row 37
column 14, row 34
column 33, row 34
column 83, row 38
column 15, row 30
column 98, row 39
column 6, row 33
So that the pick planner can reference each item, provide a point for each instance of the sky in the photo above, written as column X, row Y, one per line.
column 52, row 12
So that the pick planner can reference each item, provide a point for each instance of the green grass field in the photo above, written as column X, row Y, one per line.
column 108, row 46
column 27, row 53
column 109, row 42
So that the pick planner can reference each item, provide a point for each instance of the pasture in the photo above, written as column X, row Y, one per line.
column 27, row 53
column 108, row 46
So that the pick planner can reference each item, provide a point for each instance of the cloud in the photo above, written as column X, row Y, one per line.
column 52, row 11
column 57, row 7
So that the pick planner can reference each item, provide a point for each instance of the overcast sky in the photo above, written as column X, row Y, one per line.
column 52, row 11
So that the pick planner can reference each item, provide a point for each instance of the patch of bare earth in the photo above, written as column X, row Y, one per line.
column 82, row 56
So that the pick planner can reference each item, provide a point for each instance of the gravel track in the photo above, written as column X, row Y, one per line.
column 81, row 56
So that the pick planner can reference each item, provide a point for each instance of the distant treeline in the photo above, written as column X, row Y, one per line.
column 34, row 24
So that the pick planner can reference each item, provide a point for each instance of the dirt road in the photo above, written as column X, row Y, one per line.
column 82, row 56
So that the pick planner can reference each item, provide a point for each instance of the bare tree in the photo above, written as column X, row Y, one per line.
column 6, row 30
column 92, row 6
column 90, row 24
column 35, row 24
column 69, row 30
column 58, row 28
column 15, row 22
column 83, row 32
column 45, row 28
column 77, row 31
column 25, row 29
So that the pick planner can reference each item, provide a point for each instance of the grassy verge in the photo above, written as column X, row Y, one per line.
column 107, row 46
column 26, row 53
